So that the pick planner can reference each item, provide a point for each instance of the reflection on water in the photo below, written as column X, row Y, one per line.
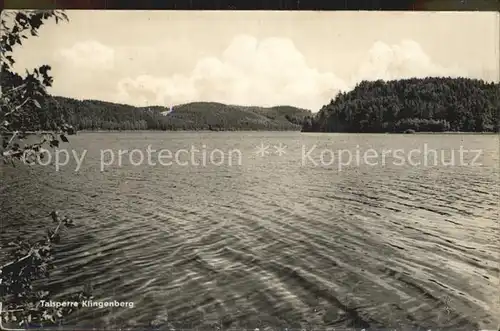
column 271, row 242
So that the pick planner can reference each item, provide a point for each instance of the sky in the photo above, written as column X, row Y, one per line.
column 265, row 58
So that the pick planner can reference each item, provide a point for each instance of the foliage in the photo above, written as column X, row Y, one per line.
column 30, row 263
column 21, row 112
column 428, row 104
column 100, row 115
column 21, row 115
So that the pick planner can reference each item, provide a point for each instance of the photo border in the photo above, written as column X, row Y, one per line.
column 332, row 5
column 393, row 5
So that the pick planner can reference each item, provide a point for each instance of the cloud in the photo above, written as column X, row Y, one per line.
column 249, row 72
column 89, row 55
column 404, row 60
column 274, row 72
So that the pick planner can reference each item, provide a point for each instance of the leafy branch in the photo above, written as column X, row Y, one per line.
column 22, row 97
column 24, row 113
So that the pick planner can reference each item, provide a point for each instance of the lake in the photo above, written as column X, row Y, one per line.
column 296, row 236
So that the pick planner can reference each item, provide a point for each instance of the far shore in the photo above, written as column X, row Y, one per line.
column 445, row 132
column 142, row 131
column 370, row 133
column 409, row 133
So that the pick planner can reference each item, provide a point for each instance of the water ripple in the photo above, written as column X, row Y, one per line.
column 271, row 243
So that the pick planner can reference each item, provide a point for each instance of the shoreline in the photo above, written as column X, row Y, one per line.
column 158, row 131
column 412, row 133
column 369, row 133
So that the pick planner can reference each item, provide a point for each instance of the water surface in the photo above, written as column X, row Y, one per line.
column 274, row 241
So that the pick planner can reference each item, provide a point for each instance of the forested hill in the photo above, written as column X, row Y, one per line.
column 427, row 105
column 100, row 115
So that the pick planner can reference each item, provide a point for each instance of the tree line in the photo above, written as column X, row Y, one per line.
column 417, row 104
column 101, row 115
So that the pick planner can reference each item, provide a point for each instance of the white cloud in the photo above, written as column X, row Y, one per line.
column 88, row 54
column 266, row 73
column 274, row 72
column 404, row 60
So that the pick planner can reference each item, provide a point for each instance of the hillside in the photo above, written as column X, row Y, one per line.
column 428, row 104
column 100, row 115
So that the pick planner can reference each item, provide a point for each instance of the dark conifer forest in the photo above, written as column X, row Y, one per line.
column 100, row 115
column 407, row 105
